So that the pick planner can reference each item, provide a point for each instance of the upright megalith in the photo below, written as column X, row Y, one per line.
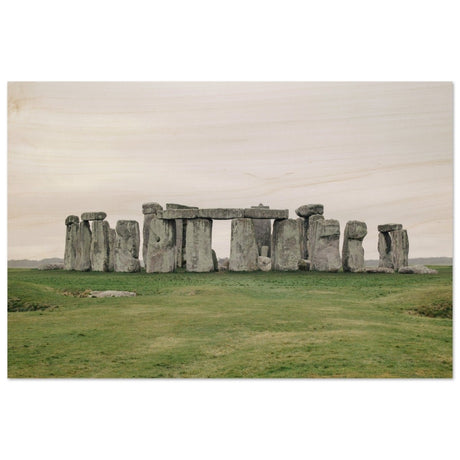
column 352, row 250
column 286, row 246
column 263, row 231
column 83, row 259
column 307, row 213
column 325, row 253
column 71, row 242
column 112, row 242
column 150, row 210
column 311, row 232
column 393, row 246
column 243, row 246
column 100, row 247
column 127, row 246
column 181, row 230
column 161, row 247
column 198, row 246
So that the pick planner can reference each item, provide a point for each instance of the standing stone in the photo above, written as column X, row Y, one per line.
column 264, row 250
column 83, row 262
column 243, row 247
column 263, row 231
column 352, row 250
column 161, row 247
column 149, row 210
column 71, row 242
column 198, row 246
column 215, row 261
column 181, row 229
column 112, row 242
column 100, row 249
column 325, row 253
column 286, row 245
column 393, row 246
column 127, row 246
column 311, row 232
column 306, row 212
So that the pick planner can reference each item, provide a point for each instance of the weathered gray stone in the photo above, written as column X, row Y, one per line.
column 72, row 220
column 127, row 246
column 198, row 246
column 286, row 245
column 264, row 251
column 214, row 261
column 304, row 265
column 303, row 226
column 151, row 208
column 263, row 232
column 389, row 227
column 308, row 210
column 179, row 206
column 243, row 247
column 220, row 213
column 83, row 259
column 264, row 263
column 309, row 230
column 417, row 270
column 71, row 243
column 179, row 214
column 378, row 270
column 99, row 253
column 325, row 253
column 393, row 249
column 93, row 215
column 264, row 213
column 112, row 243
column 181, row 229
column 352, row 250
column 102, row 294
column 161, row 248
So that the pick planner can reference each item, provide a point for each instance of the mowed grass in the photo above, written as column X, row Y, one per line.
column 298, row 324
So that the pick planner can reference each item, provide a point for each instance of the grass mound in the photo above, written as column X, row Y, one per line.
column 16, row 304
column 440, row 308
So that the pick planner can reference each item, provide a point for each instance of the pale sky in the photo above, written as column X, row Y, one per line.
column 376, row 152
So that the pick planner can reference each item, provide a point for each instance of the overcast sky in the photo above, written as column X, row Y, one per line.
column 377, row 152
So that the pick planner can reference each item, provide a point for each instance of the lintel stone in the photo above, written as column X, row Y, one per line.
column 93, row 215
column 389, row 227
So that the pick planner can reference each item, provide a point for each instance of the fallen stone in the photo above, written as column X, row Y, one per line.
column 378, row 270
column 264, row 263
column 127, row 247
column 304, row 265
column 93, row 216
column 161, row 247
column 72, row 220
column 198, row 246
column 151, row 208
column 100, row 294
column 325, row 253
column 417, row 270
column 286, row 245
column 243, row 246
column 308, row 210
column 99, row 252
column 352, row 250
column 264, row 213
column 83, row 257
column 389, row 227
column 57, row 266
column 223, row 264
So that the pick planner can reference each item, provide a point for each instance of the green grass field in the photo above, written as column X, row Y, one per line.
column 300, row 324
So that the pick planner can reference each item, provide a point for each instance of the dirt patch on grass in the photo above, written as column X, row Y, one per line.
column 77, row 292
column 15, row 304
column 439, row 308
